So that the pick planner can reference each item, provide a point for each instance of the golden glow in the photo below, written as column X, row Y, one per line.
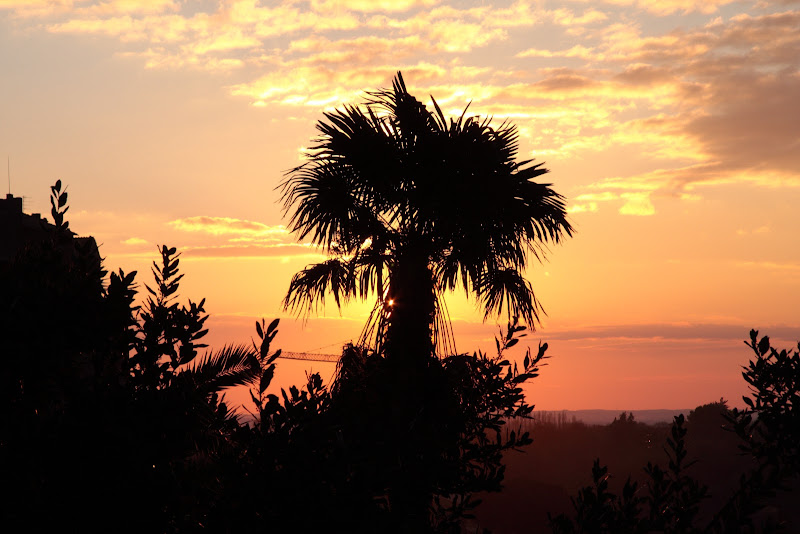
column 674, row 139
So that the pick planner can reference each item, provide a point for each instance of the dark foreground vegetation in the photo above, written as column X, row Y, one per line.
column 545, row 479
column 114, row 418
column 113, row 415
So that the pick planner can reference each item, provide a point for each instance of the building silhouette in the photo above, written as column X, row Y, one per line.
column 19, row 230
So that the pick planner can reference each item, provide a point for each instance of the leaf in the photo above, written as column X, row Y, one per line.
column 259, row 330
column 264, row 349
column 266, row 378
column 273, row 325
column 763, row 345
column 275, row 356
column 233, row 365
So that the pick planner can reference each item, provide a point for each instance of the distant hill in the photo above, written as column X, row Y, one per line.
column 604, row 417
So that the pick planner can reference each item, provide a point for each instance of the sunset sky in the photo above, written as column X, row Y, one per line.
column 672, row 127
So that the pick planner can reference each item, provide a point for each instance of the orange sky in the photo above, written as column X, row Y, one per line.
column 672, row 126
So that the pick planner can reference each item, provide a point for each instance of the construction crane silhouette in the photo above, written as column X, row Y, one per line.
column 310, row 356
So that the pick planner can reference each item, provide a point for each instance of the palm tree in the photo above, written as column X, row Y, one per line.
column 408, row 205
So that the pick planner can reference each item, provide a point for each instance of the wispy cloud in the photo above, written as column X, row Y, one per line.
column 668, row 7
column 730, row 332
column 708, row 102
column 771, row 266
column 226, row 237
column 637, row 204
column 227, row 226
column 280, row 250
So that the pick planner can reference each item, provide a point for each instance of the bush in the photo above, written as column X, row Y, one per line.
column 768, row 430
column 113, row 416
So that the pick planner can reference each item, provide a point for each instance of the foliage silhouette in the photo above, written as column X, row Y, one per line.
column 669, row 505
column 343, row 448
column 409, row 205
column 770, row 432
column 97, row 391
column 423, row 449
column 768, row 429
column 113, row 417
column 126, row 400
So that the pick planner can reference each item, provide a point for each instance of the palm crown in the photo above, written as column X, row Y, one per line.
column 409, row 204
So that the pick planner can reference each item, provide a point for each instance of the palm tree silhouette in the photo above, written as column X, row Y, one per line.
column 409, row 205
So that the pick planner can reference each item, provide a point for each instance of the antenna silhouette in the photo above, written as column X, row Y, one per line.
column 9, row 174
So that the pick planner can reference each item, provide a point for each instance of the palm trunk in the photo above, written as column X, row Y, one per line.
column 413, row 305
column 409, row 350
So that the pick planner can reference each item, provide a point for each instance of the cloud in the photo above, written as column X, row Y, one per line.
column 114, row 7
column 458, row 36
column 731, row 109
column 760, row 230
column 771, row 266
column 734, row 333
column 577, row 51
column 370, row 6
column 589, row 202
column 50, row 8
column 227, row 40
column 325, row 85
column 637, row 204
column 752, row 123
column 581, row 208
column 669, row 7
column 36, row 8
column 279, row 250
column 226, row 226
column 709, row 102
column 226, row 237
column 135, row 241
column 125, row 27
column 366, row 49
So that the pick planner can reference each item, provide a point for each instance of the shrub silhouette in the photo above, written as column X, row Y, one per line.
column 342, row 448
column 768, row 429
column 114, row 417
column 422, row 450
column 106, row 410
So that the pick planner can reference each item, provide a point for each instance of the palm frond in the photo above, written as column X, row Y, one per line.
column 309, row 286
column 325, row 206
column 507, row 287
column 230, row 366
column 371, row 267
column 411, row 179
column 443, row 339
